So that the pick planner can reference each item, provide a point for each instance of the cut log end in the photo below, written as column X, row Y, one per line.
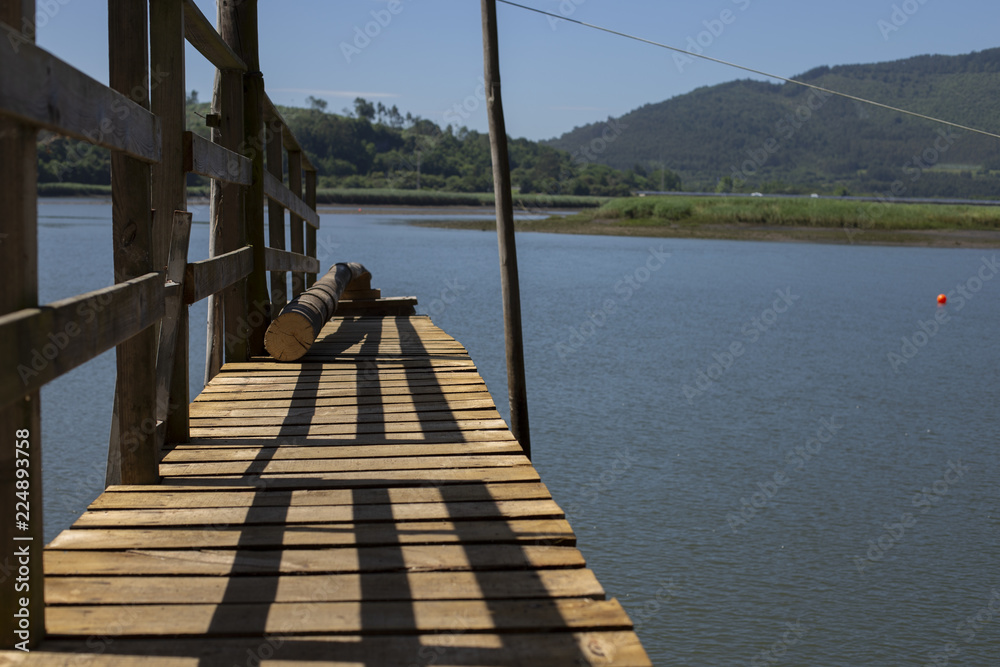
column 289, row 337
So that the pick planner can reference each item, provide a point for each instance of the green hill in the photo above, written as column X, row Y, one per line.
column 785, row 137
column 373, row 148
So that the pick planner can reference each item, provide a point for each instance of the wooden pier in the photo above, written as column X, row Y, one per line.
column 367, row 506
column 363, row 505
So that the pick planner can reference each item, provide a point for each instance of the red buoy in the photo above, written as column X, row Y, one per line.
column 942, row 299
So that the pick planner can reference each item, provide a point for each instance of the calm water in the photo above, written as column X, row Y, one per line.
column 746, row 467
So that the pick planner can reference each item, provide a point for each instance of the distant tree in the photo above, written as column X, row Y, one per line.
column 316, row 104
column 193, row 97
column 364, row 109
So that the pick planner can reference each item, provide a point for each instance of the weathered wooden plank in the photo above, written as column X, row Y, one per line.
column 286, row 453
column 374, row 405
column 341, row 617
column 44, row 343
column 594, row 648
column 509, row 585
column 215, row 274
column 342, row 429
column 310, row 200
column 285, row 260
column 172, row 397
column 360, row 480
column 514, row 531
column 211, row 160
column 202, row 36
column 39, row 89
column 311, row 514
column 406, row 558
column 318, row 416
column 340, row 465
column 140, row 497
column 276, row 191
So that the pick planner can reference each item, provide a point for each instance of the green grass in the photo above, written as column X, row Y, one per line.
column 387, row 197
column 819, row 213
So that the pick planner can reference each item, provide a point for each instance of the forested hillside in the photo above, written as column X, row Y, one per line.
column 784, row 137
column 375, row 147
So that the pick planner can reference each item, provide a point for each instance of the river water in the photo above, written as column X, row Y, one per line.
column 770, row 453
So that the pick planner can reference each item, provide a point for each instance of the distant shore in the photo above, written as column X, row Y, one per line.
column 775, row 219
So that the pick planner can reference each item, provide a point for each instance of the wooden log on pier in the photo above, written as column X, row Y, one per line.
column 293, row 332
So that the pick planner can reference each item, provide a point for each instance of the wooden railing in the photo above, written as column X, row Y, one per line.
column 144, row 315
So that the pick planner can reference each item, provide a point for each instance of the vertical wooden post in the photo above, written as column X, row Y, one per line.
column 310, row 230
column 19, row 257
column 131, row 216
column 296, row 238
column 276, row 214
column 166, row 49
column 215, row 324
column 240, row 23
column 235, row 199
column 516, row 386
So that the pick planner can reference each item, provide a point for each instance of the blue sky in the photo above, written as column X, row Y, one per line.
column 426, row 55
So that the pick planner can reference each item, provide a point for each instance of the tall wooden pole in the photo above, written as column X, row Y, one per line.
column 239, row 30
column 510, row 290
column 131, row 224
column 19, row 256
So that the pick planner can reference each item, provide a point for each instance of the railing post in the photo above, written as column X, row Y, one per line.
column 516, row 386
column 239, row 30
column 134, row 423
column 310, row 230
column 168, row 102
column 276, row 215
column 20, row 422
column 296, row 237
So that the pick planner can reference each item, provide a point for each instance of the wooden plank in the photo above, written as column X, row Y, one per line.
column 296, row 236
column 488, row 585
column 38, row 89
column 216, row 274
column 211, row 160
column 346, row 430
column 468, row 401
column 277, row 515
column 275, row 217
column 140, row 497
column 592, row 647
column 284, row 260
column 276, row 191
column 46, row 342
column 406, row 558
column 202, row 36
column 310, row 199
column 360, row 480
column 340, row 465
column 172, row 392
column 285, row 453
column 318, row 417
column 341, row 617
column 516, row 531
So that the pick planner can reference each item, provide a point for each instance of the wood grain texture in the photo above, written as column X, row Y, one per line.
column 203, row 36
column 277, row 192
column 211, row 160
column 210, row 276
